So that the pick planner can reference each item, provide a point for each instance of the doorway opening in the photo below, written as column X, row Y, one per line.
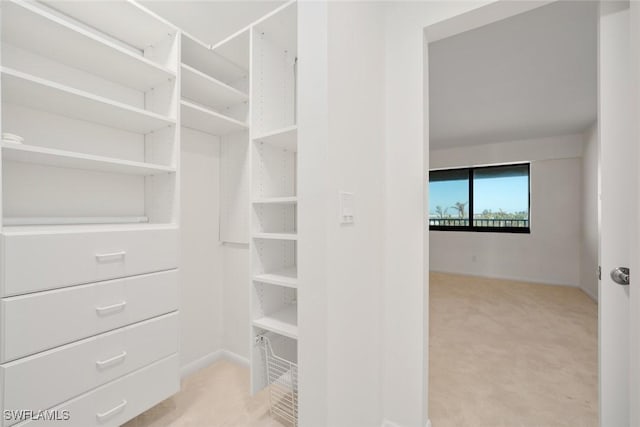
column 513, row 220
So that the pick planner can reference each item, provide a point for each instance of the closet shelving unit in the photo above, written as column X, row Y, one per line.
column 91, row 200
column 215, row 97
column 104, row 99
column 273, row 246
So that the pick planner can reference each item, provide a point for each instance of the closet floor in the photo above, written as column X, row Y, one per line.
column 505, row 353
column 217, row 396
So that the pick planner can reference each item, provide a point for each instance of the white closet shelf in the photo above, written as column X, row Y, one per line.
column 72, row 160
column 23, row 230
column 286, row 138
column 126, row 21
column 203, row 57
column 199, row 118
column 283, row 322
column 67, row 220
column 30, row 91
column 287, row 277
column 71, row 44
column 209, row 91
column 276, row 201
column 276, row 236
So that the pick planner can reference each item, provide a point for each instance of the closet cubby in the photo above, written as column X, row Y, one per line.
column 275, row 309
column 214, row 90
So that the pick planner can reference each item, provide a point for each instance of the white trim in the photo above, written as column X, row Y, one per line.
column 201, row 363
column 590, row 294
column 236, row 358
column 534, row 281
column 211, row 358
column 428, row 423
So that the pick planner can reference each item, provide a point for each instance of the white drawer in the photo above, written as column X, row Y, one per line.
column 117, row 402
column 40, row 321
column 50, row 378
column 38, row 261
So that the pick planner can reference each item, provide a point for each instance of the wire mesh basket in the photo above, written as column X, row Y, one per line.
column 282, row 376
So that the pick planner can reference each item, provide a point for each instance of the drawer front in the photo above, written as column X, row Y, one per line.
column 119, row 401
column 37, row 322
column 50, row 378
column 37, row 262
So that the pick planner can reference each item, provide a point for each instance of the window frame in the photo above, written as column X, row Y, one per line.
column 473, row 228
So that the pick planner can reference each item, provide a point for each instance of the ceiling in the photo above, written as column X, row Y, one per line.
column 211, row 21
column 530, row 76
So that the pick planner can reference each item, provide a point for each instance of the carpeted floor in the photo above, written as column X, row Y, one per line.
column 505, row 353
column 502, row 354
column 217, row 396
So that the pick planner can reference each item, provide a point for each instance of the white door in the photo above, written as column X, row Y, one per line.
column 635, row 250
column 618, row 214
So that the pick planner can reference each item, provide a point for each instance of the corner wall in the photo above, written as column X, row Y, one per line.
column 200, row 251
column 551, row 252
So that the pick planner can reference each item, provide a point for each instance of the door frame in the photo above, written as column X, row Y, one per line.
column 484, row 15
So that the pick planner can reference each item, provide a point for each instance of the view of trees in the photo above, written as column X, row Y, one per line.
column 459, row 209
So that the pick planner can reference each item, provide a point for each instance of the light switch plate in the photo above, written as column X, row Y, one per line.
column 347, row 208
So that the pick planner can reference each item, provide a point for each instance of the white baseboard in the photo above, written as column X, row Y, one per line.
column 203, row 362
column 387, row 423
column 590, row 294
column 209, row 359
column 234, row 357
column 507, row 277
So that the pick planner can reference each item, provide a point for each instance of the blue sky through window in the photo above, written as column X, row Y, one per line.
column 495, row 189
column 509, row 194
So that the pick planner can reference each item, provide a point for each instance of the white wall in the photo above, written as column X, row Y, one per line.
column 551, row 252
column 589, row 247
column 355, row 258
column 235, row 300
column 341, row 266
column 201, row 254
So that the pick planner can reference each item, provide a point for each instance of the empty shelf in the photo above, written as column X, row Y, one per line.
column 276, row 201
column 126, row 21
column 205, row 120
column 286, row 138
column 276, row 236
column 30, row 91
column 283, row 322
column 69, row 43
column 208, row 91
column 286, row 277
column 21, row 230
column 68, row 159
column 200, row 56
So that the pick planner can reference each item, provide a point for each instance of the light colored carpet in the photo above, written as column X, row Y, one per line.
column 502, row 353
column 505, row 353
column 217, row 396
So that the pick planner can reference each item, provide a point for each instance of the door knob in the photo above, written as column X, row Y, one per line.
column 620, row 275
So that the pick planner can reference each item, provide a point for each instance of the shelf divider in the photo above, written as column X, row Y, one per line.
column 200, row 118
column 67, row 159
column 283, row 322
column 286, row 138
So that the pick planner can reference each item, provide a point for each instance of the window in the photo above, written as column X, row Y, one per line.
column 491, row 198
